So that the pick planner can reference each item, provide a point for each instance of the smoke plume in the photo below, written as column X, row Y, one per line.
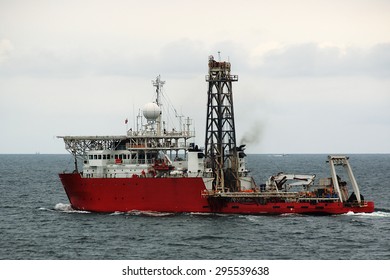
column 254, row 135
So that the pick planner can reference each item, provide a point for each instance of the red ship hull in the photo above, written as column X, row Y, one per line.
column 179, row 195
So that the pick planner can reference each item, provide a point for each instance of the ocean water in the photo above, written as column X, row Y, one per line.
column 37, row 222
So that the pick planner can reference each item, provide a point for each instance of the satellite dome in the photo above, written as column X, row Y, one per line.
column 151, row 111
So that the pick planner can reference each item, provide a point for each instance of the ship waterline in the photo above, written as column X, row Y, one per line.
column 178, row 195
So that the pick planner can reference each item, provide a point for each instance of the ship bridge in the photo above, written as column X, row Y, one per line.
column 152, row 137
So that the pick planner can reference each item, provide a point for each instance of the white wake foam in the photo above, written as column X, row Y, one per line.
column 146, row 213
column 67, row 208
column 373, row 214
column 117, row 213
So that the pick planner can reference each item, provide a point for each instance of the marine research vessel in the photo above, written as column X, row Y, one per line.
column 157, row 167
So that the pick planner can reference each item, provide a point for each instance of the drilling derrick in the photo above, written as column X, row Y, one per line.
column 220, row 144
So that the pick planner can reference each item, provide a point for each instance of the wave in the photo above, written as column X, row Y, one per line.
column 67, row 208
column 146, row 213
column 380, row 214
column 117, row 213
column 207, row 214
column 252, row 219
column 382, row 210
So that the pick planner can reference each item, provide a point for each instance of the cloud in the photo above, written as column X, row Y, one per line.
column 185, row 57
column 378, row 60
column 180, row 57
column 317, row 60
column 6, row 48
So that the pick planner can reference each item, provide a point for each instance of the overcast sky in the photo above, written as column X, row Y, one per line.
column 314, row 76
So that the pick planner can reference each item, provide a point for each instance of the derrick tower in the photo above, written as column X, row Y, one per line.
column 220, row 142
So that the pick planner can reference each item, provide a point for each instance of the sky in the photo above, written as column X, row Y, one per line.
column 314, row 76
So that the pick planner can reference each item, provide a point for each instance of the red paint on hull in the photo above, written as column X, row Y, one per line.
column 177, row 195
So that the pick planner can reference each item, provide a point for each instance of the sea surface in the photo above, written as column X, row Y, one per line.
column 37, row 222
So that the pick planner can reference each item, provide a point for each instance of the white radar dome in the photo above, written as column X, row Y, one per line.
column 151, row 111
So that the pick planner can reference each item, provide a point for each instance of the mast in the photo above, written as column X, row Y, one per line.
column 220, row 142
column 158, row 84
